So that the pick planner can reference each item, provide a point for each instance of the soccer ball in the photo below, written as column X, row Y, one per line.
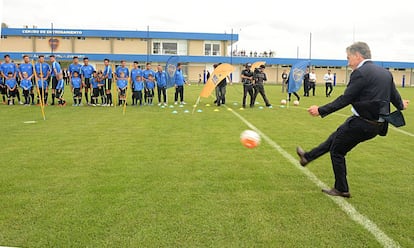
column 296, row 102
column 250, row 138
column 283, row 102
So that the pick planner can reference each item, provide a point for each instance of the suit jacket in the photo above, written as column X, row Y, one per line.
column 370, row 90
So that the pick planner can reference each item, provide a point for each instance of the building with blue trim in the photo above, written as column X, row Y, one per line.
column 198, row 51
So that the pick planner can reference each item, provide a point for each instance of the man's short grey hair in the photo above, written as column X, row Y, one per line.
column 361, row 48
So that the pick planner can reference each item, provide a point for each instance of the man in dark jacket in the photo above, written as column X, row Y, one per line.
column 370, row 91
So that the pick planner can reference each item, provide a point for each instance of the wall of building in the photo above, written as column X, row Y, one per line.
column 196, row 47
column 130, row 46
column 17, row 44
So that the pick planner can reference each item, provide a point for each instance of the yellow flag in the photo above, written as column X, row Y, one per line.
column 221, row 72
column 257, row 64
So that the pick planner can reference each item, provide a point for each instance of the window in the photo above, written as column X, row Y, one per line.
column 212, row 48
column 104, row 38
column 156, row 48
column 169, row 48
column 120, row 38
column 216, row 49
column 165, row 47
column 81, row 38
column 207, row 49
column 4, row 36
column 66, row 38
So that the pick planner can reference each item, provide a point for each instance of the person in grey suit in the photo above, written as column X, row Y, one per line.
column 370, row 91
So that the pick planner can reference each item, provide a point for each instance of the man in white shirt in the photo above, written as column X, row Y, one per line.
column 328, row 83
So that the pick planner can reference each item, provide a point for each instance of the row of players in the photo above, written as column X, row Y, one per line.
column 38, row 76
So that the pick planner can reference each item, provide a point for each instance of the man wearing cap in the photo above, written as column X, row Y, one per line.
column 259, row 77
column 247, row 80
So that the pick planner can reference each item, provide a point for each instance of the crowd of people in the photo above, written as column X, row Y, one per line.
column 31, row 78
column 94, row 87
column 309, row 83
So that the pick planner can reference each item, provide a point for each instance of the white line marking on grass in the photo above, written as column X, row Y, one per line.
column 402, row 131
column 359, row 218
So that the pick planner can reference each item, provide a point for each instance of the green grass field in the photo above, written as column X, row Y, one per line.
column 93, row 177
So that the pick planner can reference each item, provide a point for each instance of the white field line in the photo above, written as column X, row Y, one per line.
column 348, row 208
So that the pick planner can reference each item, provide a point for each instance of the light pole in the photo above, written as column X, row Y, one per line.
column 231, row 47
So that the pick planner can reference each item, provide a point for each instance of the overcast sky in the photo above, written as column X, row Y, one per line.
column 281, row 26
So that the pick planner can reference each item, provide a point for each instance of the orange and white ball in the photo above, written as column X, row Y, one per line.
column 283, row 102
column 250, row 139
column 296, row 102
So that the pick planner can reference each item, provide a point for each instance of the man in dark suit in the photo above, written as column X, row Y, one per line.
column 306, row 83
column 370, row 91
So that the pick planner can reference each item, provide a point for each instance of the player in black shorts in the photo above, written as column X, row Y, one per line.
column 56, row 75
column 107, row 75
column 86, row 73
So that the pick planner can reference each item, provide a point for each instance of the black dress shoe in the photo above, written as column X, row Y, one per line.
column 303, row 161
column 335, row 192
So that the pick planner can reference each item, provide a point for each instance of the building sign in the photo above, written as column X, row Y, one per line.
column 51, row 32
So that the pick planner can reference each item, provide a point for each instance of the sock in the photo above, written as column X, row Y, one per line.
column 86, row 97
column 32, row 97
column 53, row 98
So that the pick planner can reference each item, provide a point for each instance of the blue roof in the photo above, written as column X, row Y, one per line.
column 118, row 33
column 201, row 59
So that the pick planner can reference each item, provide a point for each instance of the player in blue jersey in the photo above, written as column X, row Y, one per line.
column 122, row 84
column 56, row 75
column 59, row 92
column 86, row 74
column 42, row 85
column 161, row 79
column 27, row 67
column 42, row 75
column 135, row 71
column 11, row 84
column 138, row 86
column 8, row 66
column 149, row 89
column 107, row 75
column 122, row 68
column 75, row 66
column 94, row 89
column 145, row 74
column 26, row 85
column 101, row 87
column 179, row 84
column 3, row 87
column 76, row 86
